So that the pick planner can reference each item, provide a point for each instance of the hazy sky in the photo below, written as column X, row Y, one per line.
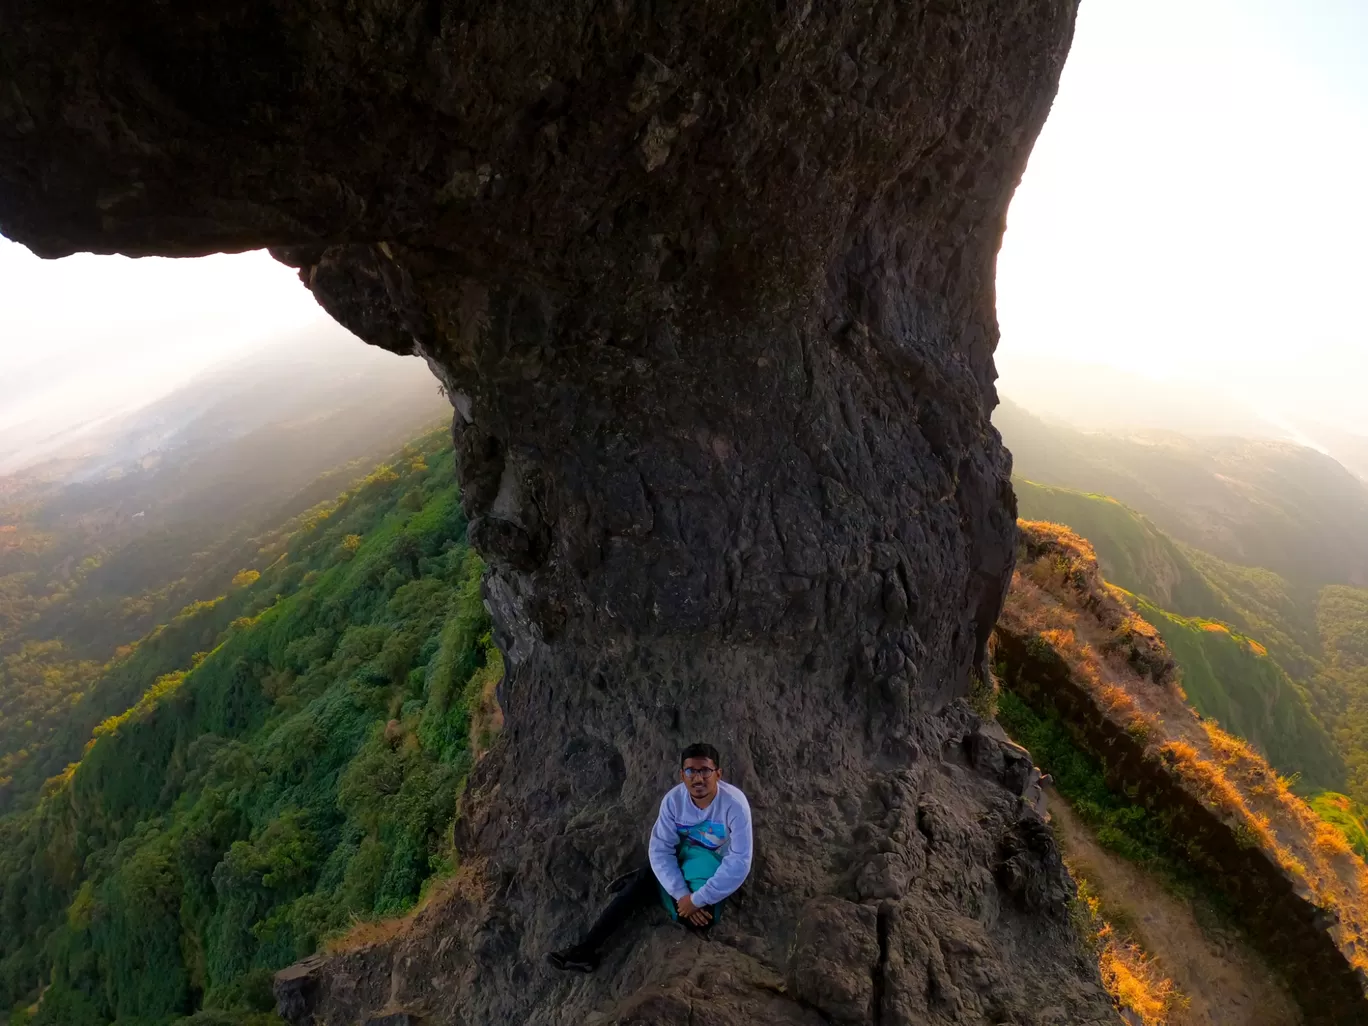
column 1196, row 205
column 1195, row 210
column 89, row 335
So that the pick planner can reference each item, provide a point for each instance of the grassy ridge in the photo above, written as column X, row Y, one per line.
column 1228, row 676
column 295, row 770
column 1071, row 645
column 1133, row 553
column 1231, row 678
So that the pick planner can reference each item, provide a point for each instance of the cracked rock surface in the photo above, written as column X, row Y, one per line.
column 710, row 286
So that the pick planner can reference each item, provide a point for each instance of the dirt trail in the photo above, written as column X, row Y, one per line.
column 1226, row 983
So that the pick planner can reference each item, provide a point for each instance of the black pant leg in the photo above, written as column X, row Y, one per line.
column 638, row 892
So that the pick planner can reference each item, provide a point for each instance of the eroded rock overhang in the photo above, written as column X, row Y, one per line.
column 711, row 288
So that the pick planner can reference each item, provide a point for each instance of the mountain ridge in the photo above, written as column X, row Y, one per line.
column 1270, row 504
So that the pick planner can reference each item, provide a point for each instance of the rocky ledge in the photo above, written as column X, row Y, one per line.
column 710, row 286
column 1070, row 647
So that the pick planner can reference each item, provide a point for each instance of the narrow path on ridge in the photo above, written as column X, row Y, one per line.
column 1225, row 981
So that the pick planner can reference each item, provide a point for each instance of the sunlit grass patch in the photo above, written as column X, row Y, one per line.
column 1065, row 618
column 1129, row 974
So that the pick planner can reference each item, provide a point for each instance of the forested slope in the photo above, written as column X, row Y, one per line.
column 143, row 516
column 73, row 604
column 280, row 760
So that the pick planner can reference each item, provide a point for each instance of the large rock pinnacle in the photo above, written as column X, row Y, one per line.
column 710, row 285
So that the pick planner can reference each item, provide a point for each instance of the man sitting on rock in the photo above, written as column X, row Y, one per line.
column 699, row 854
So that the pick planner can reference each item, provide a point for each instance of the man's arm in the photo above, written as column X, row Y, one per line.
column 736, row 863
column 664, row 862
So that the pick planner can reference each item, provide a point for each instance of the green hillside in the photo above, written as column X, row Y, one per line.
column 1342, row 623
column 1231, row 678
column 1269, row 606
column 1228, row 676
column 277, row 761
column 1250, row 502
column 1132, row 552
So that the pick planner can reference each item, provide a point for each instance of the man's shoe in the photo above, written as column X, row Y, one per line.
column 573, row 960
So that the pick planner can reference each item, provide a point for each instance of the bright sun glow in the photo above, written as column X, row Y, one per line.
column 87, row 336
column 1195, row 208
column 1194, row 212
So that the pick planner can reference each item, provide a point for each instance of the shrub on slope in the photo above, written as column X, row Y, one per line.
column 301, row 773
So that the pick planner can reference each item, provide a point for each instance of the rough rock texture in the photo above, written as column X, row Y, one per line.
column 710, row 287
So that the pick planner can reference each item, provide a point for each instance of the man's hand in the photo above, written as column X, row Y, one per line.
column 691, row 912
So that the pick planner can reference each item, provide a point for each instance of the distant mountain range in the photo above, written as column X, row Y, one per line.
column 312, row 377
column 1090, row 397
column 101, row 540
column 1250, row 557
column 1255, row 502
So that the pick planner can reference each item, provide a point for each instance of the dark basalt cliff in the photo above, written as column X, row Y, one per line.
column 710, row 285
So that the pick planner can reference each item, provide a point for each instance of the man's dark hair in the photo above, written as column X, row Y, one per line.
column 699, row 750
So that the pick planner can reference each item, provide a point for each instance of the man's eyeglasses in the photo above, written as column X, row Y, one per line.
column 704, row 773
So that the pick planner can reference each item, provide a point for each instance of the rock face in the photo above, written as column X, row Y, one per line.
column 710, row 286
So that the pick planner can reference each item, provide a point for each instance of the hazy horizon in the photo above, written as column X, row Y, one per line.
column 1193, row 211
column 87, row 337
column 1187, row 234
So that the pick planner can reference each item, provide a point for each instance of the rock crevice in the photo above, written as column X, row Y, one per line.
column 710, row 286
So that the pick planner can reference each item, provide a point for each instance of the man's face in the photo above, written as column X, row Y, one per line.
column 700, row 776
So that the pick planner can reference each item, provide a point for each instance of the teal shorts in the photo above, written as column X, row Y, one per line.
column 698, row 864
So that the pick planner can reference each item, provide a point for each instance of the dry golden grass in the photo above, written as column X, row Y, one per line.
column 1130, row 976
column 1136, row 627
column 366, row 933
column 1211, row 783
column 1330, row 841
column 1059, row 597
column 1230, row 748
column 1135, row 983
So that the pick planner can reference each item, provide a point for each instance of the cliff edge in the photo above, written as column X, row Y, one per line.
column 1071, row 647
column 710, row 286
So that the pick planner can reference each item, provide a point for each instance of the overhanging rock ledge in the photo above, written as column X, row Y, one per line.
column 711, row 288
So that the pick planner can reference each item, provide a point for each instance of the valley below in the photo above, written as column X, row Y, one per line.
column 298, row 744
column 341, row 690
